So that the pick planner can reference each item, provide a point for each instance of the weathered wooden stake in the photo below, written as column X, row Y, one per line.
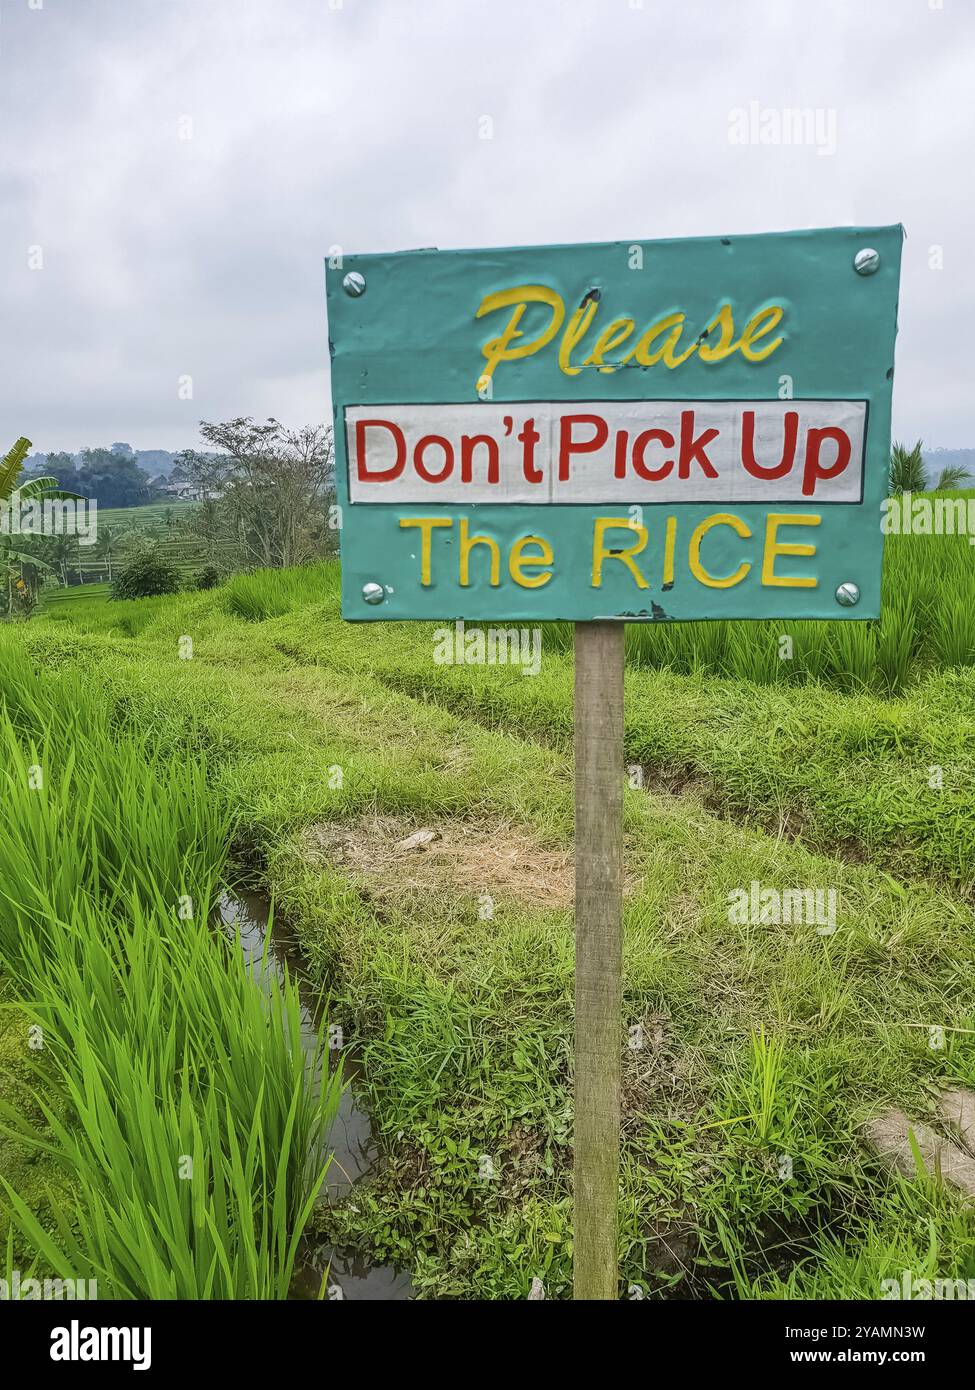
column 598, row 991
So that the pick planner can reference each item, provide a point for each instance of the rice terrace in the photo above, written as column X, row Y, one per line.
column 289, row 732
column 512, row 837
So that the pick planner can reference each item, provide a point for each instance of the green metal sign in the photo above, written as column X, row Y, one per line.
column 650, row 431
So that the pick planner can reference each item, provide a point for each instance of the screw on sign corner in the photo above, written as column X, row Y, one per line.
column 373, row 593
column 867, row 261
column 354, row 284
column 848, row 595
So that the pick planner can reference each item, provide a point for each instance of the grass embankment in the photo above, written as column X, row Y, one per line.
column 157, row 1119
column 758, row 1049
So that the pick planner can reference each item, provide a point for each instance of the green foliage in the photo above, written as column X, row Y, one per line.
column 906, row 469
column 11, row 465
column 264, row 594
column 114, row 479
column 145, row 575
column 464, row 1026
column 172, row 1092
column 208, row 577
column 927, row 622
column 22, row 567
column 952, row 476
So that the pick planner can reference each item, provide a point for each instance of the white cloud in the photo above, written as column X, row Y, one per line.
column 357, row 125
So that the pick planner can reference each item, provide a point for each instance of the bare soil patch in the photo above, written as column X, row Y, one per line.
column 394, row 855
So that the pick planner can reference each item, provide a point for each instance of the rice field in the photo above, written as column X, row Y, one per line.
column 927, row 624
column 299, row 753
column 162, row 523
column 158, row 1114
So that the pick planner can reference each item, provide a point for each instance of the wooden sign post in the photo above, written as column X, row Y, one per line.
column 598, row 987
column 656, row 432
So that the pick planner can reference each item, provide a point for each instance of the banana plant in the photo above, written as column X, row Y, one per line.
column 40, row 490
column 20, row 573
column 36, row 488
column 10, row 470
column 11, row 466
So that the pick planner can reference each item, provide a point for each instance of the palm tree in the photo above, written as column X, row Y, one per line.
column 906, row 469
column 951, row 476
column 108, row 544
column 63, row 548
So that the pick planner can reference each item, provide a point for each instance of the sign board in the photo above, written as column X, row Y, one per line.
column 648, row 431
column 652, row 431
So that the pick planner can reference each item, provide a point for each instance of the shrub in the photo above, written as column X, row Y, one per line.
column 147, row 573
column 208, row 578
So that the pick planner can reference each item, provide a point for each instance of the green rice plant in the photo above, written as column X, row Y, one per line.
column 753, row 653
column 762, row 1090
column 767, row 1056
column 191, row 1111
column 184, row 1103
column 96, row 814
column 264, row 594
column 852, row 655
column 559, row 637
column 896, row 642
column 953, row 629
column 811, row 655
column 927, row 619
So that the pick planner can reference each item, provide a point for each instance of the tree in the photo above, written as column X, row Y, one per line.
column 62, row 466
column 264, row 487
column 951, row 476
column 906, row 469
column 106, row 547
column 208, row 578
column 146, row 574
column 113, row 479
column 64, row 549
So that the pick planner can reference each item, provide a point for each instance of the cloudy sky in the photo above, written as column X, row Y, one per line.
column 173, row 172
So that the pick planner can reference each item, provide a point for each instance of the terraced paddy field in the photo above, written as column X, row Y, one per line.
column 164, row 524
column 761, row 1052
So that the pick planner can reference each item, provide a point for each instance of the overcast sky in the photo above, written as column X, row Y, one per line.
column 173, row 172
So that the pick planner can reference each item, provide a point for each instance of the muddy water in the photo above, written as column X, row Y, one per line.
column 350, row 1139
